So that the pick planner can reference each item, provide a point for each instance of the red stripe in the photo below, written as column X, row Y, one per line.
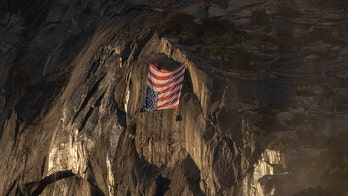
column 162, row 70
column 165, row 84
column 169, row 96
column 153, row 75
column 169, row 103
column 159, row 70
column 171, row 88
column 173, row 107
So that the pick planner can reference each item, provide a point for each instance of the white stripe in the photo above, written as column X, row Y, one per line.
column 156, row 81
column 170, row 106
column 165, row 87
column 170, row 92
column 165, row 74
column 169, row 100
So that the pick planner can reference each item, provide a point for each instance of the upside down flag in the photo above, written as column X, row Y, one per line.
column 163, row 88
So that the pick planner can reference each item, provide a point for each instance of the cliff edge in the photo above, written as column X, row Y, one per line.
column 263, row 109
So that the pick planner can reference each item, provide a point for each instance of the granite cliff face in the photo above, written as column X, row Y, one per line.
column 270, row 118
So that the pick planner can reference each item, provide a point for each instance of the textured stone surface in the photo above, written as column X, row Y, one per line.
column 272, row 121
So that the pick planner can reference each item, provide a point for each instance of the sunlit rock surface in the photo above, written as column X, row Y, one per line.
column 270, row 120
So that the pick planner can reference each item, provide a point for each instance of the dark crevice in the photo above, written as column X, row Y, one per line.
column 90, row 93
column 43, row 166
column 93, row 69
column 16, row 133
column 95, row 190
column 19, row 192
column 192, row 174
column 133, row 129
column 11, row 187
column 84, row 122
column 51, row 179
column 99, row 100
column 126, row 52
column 121, row 117
column 89, row 113
column 162, row 185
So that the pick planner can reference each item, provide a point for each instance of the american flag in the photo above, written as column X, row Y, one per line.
column 163, row 88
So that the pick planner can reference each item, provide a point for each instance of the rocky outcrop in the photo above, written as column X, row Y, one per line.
column 272, row 121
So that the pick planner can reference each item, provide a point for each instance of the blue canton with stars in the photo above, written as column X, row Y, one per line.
column 151, row 99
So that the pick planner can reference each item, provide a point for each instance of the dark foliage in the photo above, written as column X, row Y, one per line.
column 190, row 33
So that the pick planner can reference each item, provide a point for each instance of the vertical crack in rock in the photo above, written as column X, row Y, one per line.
column 89, row 95
column 93, row 69
column 162, row 185
column 12, row 187
column 97, row 104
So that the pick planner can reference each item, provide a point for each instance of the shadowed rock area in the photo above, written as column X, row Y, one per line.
column 263, row 109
